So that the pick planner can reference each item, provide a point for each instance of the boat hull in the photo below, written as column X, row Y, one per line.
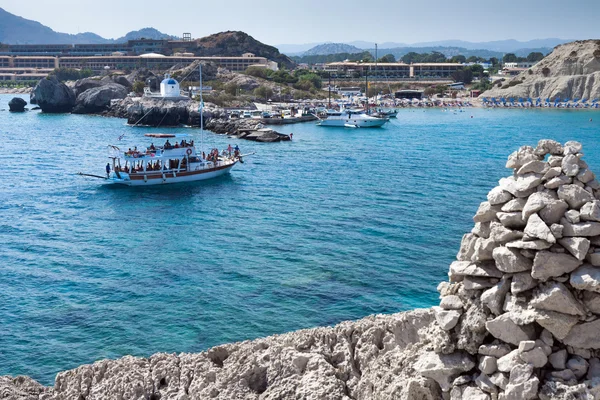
column 354, row 123
column 160, row 178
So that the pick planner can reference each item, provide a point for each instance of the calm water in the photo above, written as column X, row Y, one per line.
column 336, row 225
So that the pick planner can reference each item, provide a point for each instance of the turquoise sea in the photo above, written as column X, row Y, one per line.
column 335, row 225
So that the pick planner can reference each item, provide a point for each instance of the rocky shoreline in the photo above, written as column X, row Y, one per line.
column 518, row 319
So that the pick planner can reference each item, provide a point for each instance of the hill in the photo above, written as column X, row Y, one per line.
column 234, row 43
column 571, row 71
column 18, row 30
column 332, row 48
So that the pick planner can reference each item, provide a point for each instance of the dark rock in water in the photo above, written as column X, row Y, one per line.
column 86, row 83
column 122, row 80
column 98, row 99
column 32, row 99
column 53, row 96
column 17, row 104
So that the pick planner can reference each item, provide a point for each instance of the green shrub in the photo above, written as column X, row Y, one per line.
column 545, row 71
column 138, row 87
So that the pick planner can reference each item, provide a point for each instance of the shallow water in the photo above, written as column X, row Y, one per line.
column 336, row 225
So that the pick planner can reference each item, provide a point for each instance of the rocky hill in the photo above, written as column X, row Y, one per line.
column 571, row 71
column 518, row 319
column 234, row 43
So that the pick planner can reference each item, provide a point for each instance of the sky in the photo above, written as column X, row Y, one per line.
column 307, row 21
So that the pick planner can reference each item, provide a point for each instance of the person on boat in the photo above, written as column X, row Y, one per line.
column 152, row 146
column 192, row 143
column 291, row 136
column 168, row 144
column 176, row 145
column 203, row 156
column 107, row 170
column 229, row 149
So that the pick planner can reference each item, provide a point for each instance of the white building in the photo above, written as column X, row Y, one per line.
column 169, row 87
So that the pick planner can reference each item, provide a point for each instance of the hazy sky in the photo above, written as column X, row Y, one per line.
column 305, row 21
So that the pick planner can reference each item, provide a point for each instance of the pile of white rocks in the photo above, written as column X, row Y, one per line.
column 522, row 305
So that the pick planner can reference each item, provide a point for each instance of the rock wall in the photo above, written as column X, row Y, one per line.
column 518, row 319
column 571, row 71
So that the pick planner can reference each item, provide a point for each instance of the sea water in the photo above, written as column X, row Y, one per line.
column 337, row 224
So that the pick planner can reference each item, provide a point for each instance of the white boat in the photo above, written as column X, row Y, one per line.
column 352, row 119
column 168, row 163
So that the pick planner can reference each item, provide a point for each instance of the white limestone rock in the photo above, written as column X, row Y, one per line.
column 538, row 229
column 510, row 260
column 481, row 269
column 584, row 335
column 586, row 277
column 536, row 202
column 593, row 258
column 512, row 220
column 557, row 230
column 593, row 369
column 554, row 296
column 499, row 379
column 557, row 182
column 476, row 283
column 574, row 195
column 498, row 196
column 507, row 362
column 529, row 245
column 585, row 175
column 493, row 298
column 522, row 282
column 494, row 350
column 451, row 302
column 570, row 165
column 552, row 173
column 553, row 211
column 514, row 205
column 503, row 328
column 522, row 157
column 547, row 265
column 572, row 147
column 488, row 365
column 548, row 146
column 447, row 319
column 535, row 357
column 590, row 211
column 486, row 212
column 555, row 161
column 481, row 229
column 577, row 246
column 521, row 385
column 473, row 393
column 467, row 247
column 536, row 166
column 560, row 325
column 592, row 301
column 484, row 383
column 483, row 249
column 585, row 229
column 443, row 368
column 500, row 234
column 572, row 216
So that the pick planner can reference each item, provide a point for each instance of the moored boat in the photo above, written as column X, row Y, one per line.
column 352, row 119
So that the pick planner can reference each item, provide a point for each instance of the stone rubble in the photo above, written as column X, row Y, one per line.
column 519, row 318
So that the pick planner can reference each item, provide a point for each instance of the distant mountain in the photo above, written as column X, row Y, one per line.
column 146, row 33
column 18, row 30
column 498, row 47
column 332, row 48
column 295, row 49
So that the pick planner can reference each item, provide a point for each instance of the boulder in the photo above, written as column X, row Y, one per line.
column 481, row 269
column 447, row 319
column 576, row 245
column 554, row 296
column 570, row 165
column 557, row 182
column 508, row 361
column 503, row 328
column 498, row 196
column 521, row 157
column 443, row 368
column 529, row 245
column 537, row 228
column 578, row 365
column 500, row 234
column 522, row 282
column 467, row 247
column 514, row 205
column 584, row 335
column 53, row 96
column 586, row 229
column 536, row 202
column 451, row 302
column 511, row 220
column 16, row 104
column 510, row 260
column 486, row 212
column 592, row 301
column 547, row 265
column 548, row 146
column 558, row 360
column 574, row 195
column 586, row 277
column 493, row 298
column 536, row 166
column 494, row 350
column 87, row 83
column 98, row 99
column 572, row 147
column 590, row 211
column 558, row 324
column 488, row 365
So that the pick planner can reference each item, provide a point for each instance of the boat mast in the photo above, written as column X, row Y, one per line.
column 201, row 109
column 330, row 90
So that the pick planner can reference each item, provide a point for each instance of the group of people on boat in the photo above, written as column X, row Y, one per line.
column 169, row 146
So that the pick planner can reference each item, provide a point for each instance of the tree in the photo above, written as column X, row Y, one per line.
column 473, row 59
column 459, row 59
column 535, row 56
column 388, row 58
column 314, row 79
column 258, row 72
column 411, row 57
column 464, row 75
column 231, row 88
column 263, row 92
column 138, row 87
column 494, row 61
column 509, row 57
